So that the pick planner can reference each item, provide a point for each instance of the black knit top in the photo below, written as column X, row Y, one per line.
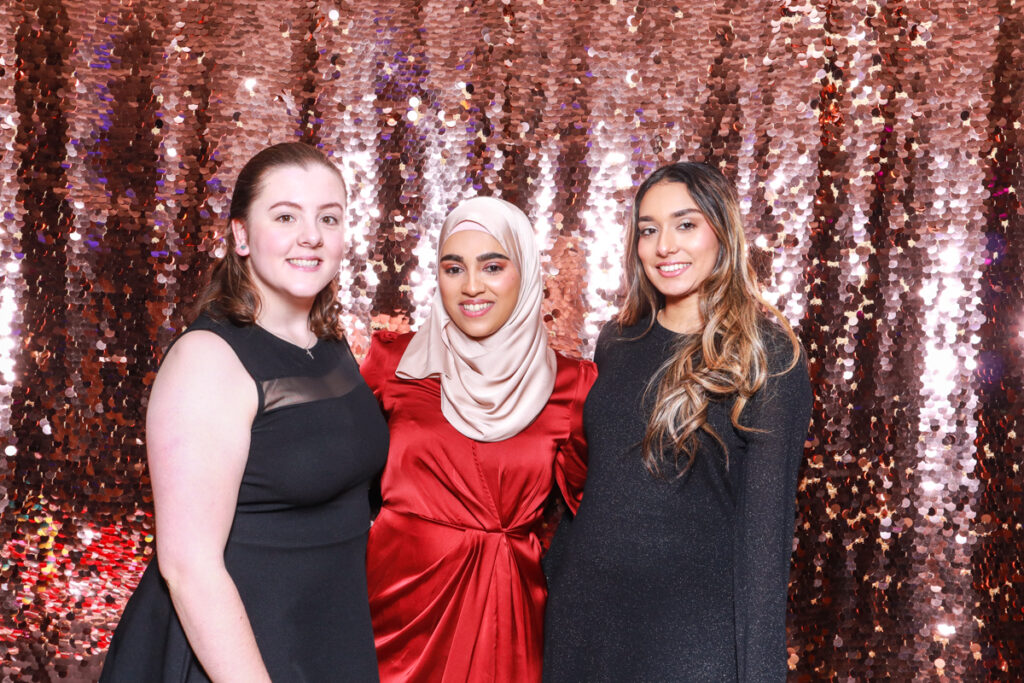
column 678, row 579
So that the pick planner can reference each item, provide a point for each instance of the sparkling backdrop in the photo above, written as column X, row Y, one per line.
column 876, row 146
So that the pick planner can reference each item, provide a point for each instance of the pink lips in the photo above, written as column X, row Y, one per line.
column 673, row 273
column 470, row 313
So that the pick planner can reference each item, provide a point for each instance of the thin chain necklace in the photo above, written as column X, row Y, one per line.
column 307, row 349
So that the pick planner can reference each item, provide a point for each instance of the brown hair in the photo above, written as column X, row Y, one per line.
column 729, row 356
column 230, row 292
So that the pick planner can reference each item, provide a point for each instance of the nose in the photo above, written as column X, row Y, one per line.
column 667, row 242
column 310, row 234
column 472, row 284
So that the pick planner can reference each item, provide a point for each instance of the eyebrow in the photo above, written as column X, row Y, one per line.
column 480, row 258
column 677, row 214
column 293, row 205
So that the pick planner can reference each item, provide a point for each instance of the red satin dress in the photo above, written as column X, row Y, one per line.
column 453, row 563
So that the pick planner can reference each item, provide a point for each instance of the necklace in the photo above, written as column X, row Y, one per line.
column 307, row 348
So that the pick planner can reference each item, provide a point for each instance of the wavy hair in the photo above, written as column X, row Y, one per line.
column 230, row 292
column 729, row 356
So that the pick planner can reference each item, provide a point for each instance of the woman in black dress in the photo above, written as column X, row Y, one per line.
column 676, row 566
column 262, row 438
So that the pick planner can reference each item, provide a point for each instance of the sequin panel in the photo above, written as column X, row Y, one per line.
column 876, row 147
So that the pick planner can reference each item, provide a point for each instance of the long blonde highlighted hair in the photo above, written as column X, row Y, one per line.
column 729, row 356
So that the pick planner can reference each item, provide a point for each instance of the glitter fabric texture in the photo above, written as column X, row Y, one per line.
column 877, row 151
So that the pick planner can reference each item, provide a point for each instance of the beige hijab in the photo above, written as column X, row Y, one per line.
column 491, row 388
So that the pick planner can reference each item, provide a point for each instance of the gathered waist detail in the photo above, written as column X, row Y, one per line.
column 519, row 531
column 454, row 601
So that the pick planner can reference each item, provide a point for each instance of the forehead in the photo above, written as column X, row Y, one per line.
column 471, row 242
column 291, row 182
column 666, row 197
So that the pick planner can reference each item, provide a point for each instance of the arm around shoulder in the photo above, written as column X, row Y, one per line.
column 197, row 427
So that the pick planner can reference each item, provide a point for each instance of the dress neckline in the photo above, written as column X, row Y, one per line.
column 308, row 351
column 671, row 334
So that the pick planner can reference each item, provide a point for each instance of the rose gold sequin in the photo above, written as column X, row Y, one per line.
column 876, row 148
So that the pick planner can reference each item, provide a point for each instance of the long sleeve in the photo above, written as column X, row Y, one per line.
column 766, row 501
column 571, row 459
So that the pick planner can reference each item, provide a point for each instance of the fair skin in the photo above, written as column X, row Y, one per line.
column 678, row 250
column 294, row 240
column 203, row 403
column 479, row 284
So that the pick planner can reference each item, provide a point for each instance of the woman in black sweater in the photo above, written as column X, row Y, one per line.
column 677, row 564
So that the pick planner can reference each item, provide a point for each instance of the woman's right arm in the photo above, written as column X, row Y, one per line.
column 197, row 429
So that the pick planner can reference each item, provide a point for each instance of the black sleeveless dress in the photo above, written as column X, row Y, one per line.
column 297, row 546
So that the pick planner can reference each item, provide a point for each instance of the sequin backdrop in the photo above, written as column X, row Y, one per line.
column 876, row 146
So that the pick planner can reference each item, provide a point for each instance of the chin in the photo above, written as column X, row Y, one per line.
column 674, row 289
column 304, row 296
column 476, row 331
column 312, row 289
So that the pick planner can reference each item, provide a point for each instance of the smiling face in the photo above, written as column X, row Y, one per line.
column 677, row 248
column 479, row 284
column 293, row 235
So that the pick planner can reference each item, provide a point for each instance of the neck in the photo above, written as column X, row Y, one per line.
column 682, row 317
column 292, row 324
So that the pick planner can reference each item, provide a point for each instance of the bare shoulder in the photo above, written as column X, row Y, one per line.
column 201, row 349
column 202, row 372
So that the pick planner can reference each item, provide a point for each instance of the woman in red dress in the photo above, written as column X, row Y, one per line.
column 485, row 420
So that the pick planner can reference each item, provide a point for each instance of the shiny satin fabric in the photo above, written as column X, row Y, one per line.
column 453, row 563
